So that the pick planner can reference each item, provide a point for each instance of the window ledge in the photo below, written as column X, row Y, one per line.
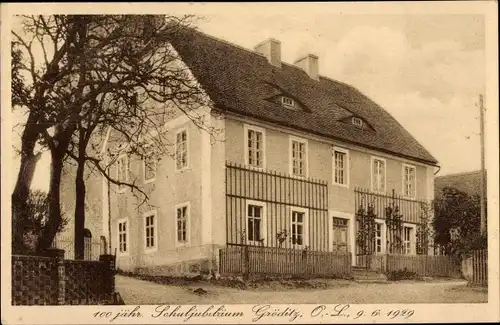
column 341, row 185
column 255, row 167
column 147, row 181
column 121, row 191
column 150, row 250
column 181, row 245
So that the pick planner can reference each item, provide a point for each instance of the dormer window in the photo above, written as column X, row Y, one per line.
column 357, row 122
column 288, row 102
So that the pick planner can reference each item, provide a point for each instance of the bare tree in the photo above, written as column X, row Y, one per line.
column 106, row 73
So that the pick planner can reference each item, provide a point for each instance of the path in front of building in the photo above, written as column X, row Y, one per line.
column 138, row 292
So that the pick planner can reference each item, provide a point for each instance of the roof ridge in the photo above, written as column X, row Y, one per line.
column 461, row 173
column 226, row 42
column 262, row 55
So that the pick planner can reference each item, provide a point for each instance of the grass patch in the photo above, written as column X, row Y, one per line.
column 404, row 274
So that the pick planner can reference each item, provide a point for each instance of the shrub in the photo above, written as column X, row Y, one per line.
column 404, row 274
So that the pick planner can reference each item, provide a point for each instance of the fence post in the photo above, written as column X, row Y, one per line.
column 109, row 275
column 60, row 275
column 246, row 262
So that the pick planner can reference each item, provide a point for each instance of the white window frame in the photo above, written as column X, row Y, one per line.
column 263, row 225
column 372, row 164
column 154, row 214
column 403, row 177
column 122, row 188
column 413, row 239
column 290, row 155
column 383, row 236
column 246, row 128
column 127, row 236
column 153, row 162
column 346, row 167
column 188, row 224
column 188, row 158
column 288, row 105
column 305, row 226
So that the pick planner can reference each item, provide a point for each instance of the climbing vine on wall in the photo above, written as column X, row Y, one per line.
column 424, row 231
column 394, row 224
column 366, row 229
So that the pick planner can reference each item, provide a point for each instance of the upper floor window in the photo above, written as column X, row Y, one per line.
column 409, row 180
column 288, row 102
column 298, row 156
column 122, row 171
column 357, row 121
column 378, row 174
column 255, row 147
column 149, row 167
column 181, row 150
column 340, row 166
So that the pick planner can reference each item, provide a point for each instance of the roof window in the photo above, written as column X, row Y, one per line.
column 357, row 121
column 288, row 102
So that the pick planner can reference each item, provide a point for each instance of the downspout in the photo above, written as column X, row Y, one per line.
column 439, row 168
column 109, row 213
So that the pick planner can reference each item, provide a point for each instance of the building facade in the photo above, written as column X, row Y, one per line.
column 297, row 157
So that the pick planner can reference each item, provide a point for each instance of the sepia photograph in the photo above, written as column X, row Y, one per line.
column 208, row 156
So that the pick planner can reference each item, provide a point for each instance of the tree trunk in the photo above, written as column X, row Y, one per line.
column 21, row 192
column 54, row 196
column 80, row 202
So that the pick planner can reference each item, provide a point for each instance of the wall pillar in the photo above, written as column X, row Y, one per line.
column 59, row 274
column 109, row 275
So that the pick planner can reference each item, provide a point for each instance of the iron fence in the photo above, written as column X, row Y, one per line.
column 92, row 247
column 271, row 209
column 390, row 223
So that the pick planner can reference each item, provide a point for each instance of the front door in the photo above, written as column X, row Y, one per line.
column 339, row 241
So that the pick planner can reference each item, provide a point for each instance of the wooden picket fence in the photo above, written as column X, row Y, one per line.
column 480, row 267
column 273, row 261
column 422, row 265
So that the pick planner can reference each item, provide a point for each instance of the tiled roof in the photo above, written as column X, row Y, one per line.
column 469, row 182
column 242, row 81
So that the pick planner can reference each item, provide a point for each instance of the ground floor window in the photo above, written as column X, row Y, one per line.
column 123, row 236
column 339, row 234
column 150, row 230
column 254, row 222
column 182, row 224
column 377, row 238
column 407, row 240
column 298, row 229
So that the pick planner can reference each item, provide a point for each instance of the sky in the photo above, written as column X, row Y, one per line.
column 425, row 70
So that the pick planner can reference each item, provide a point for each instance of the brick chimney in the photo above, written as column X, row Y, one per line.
column 271, row 49
column 310, row 65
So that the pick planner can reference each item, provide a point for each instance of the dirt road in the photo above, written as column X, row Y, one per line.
column 136, row 292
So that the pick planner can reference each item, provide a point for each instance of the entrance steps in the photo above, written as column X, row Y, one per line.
column 363, row 275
